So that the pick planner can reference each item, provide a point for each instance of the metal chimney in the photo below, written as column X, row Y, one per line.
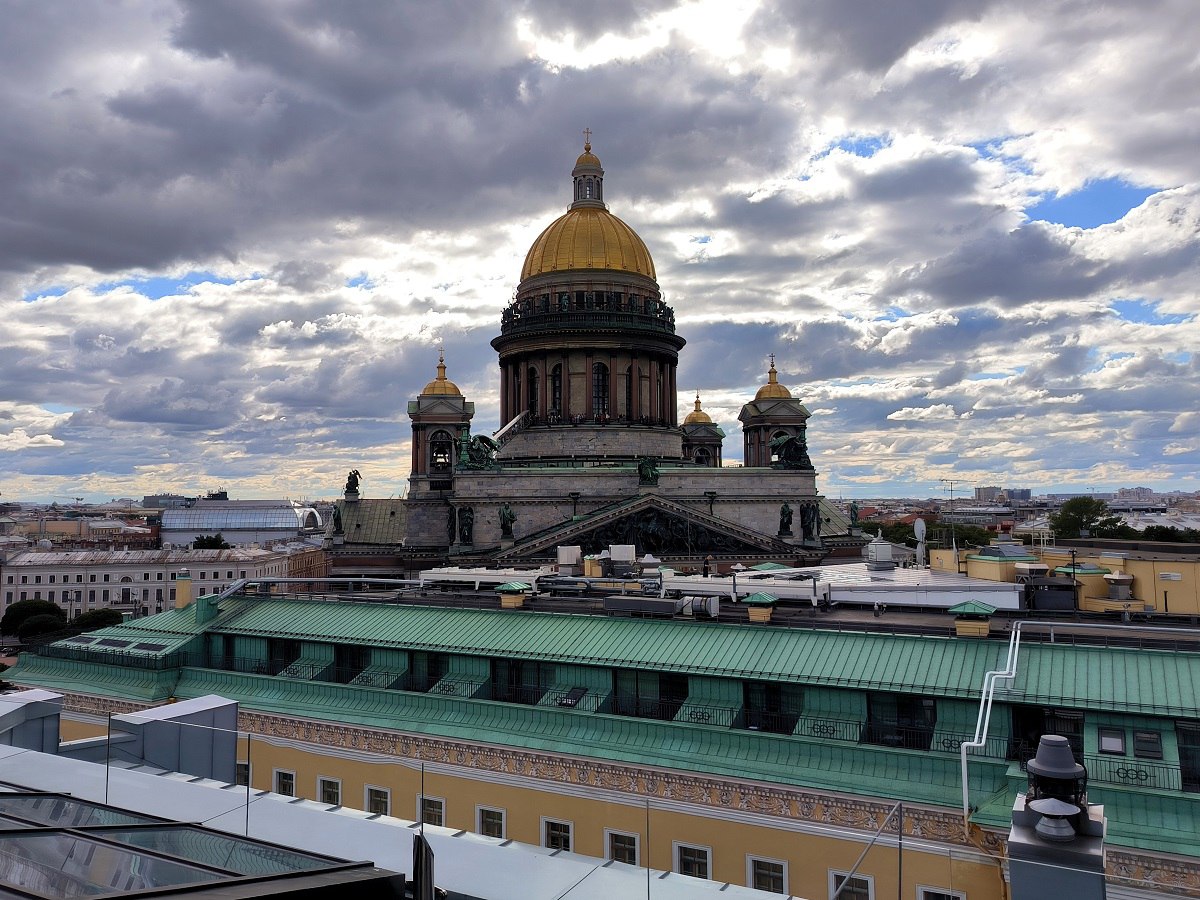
column 1056, row 844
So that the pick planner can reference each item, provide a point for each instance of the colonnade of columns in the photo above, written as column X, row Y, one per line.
column 658, row 405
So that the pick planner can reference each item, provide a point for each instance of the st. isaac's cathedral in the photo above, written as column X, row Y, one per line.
column 589, row 450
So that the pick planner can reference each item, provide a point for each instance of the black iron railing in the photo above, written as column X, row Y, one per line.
column 1139, row 773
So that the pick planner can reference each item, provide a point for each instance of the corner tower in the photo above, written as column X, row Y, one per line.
column 587, row 343
column 774, row 426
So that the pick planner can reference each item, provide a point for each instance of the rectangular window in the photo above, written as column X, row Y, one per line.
column 489, row 822
column 693, row 861
column 1147, row 745
column 79, row 578
column 329, row 790
column 1112, row 740
column 432, row 811
column 556, row 835
column 378, row 801
column 621, row 846
column 158, row 576
column 92, row 577
column 229, row 574
column 145, row 576
column 924, row 893
column 285, row 783
column 243, row 774
column 106, row 576
column 860, row 887
column 52, row 579
column 767, row 875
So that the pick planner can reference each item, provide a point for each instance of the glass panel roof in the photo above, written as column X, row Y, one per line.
column 66, row 813
column 219, row 850
column 64, row 865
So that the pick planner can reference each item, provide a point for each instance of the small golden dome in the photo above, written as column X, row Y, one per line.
column 588, row 237
column 587, row 158
column 698, row 416
column 441, row 385
column 773, row 390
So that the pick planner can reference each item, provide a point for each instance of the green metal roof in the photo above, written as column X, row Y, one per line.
column 512, row 587
column 940, row 665
column 972, row 608
column 760, row 598
column 1118, row 679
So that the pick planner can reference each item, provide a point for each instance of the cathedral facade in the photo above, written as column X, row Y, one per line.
column 590, row 450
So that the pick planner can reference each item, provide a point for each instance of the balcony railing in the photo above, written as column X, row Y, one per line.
column 1140, row 773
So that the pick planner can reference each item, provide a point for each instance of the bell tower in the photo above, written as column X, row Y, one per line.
column 773, row 415
column 440, row 416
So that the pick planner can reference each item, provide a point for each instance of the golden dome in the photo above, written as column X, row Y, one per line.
column 588, row 237
column 441, row 385
column 773, row 390
column 698, row 416
column 587, row 158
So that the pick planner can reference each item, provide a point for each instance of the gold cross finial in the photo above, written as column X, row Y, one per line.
column 587, row 139
column 772, row 355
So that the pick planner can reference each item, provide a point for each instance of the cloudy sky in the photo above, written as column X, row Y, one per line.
column 233, row 233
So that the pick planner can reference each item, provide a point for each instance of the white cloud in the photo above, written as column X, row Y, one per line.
column 843, row 185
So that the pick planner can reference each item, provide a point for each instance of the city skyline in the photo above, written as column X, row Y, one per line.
column 236, row 234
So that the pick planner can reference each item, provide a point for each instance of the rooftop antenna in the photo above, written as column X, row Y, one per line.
column 953, row 538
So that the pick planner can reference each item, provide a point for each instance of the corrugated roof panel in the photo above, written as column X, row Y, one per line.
column 1053, row 673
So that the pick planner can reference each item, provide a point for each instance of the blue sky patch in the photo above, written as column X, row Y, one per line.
column 362, row 280
column 1098, row 202
column 866, row 145
column 1145, row 312
column 54, row 291
column 987, row 376
column 892, row 314
column 701, row 239
column 159, row 286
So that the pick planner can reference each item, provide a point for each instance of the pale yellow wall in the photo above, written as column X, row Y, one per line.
column 809, row 857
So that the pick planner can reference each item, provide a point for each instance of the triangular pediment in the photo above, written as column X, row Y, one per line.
column 658, row 526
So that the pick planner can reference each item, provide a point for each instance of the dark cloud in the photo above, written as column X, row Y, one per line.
column 872, row 34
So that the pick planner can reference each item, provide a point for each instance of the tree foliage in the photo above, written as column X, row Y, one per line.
column 16, row 615
column 1169, row 534
column 36, row 626
column 97, row 618
column 901, row 533
column 210, row 542
column 1088, row 514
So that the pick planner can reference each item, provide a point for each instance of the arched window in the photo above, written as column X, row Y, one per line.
column 532, row 387
column 703, row 456
column 599, row 389
column 556, row 406
column 441, row 451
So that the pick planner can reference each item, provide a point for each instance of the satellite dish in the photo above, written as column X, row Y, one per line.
column 919, row 529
